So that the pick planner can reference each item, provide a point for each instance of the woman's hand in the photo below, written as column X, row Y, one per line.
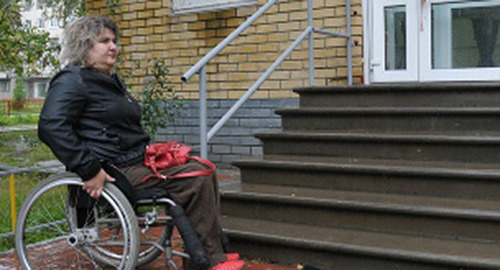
column 95, row 185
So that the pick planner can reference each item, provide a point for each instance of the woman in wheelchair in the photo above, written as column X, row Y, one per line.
column 89, row 120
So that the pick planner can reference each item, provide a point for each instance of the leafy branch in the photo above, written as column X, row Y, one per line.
column 25, row 51
column 159, row 101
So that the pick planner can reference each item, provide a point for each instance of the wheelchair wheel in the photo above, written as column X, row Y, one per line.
column 152, row 241
column 53, row 233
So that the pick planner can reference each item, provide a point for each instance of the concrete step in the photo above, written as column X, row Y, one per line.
column 333, row 248
column 471, row 220
column 440, row 179
column 418, row 147
column 392, row 119
column 403, row 95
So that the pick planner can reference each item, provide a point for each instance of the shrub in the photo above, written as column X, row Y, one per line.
column 159, row 101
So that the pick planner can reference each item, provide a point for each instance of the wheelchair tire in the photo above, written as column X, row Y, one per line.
column 48, row 235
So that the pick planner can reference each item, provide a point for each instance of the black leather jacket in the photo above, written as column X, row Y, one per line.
column 89, row 117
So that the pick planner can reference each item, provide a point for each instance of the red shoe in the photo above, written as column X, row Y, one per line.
column 232, row 256
column 229, row 265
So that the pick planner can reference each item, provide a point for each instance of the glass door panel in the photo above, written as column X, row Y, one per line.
column 395, row 38
column 465, row 35
column 464, row 41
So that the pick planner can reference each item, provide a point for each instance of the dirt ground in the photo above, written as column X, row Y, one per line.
column 61, row 258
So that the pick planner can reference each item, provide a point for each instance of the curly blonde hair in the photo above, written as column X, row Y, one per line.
column 79, row 37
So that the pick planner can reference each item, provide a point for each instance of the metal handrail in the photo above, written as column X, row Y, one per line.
column 223, row 44
column 200, row 66
column 258, row 83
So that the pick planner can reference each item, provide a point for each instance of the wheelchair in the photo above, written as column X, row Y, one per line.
column 60, row 227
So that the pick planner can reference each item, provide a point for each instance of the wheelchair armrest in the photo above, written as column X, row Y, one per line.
column 120, row 181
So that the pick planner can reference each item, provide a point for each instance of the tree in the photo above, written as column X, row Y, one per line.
column 23, row 50
column 19, row 94
column 160, row 103
column 66, row 10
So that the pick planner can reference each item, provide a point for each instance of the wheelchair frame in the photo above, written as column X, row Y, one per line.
column 108, row 236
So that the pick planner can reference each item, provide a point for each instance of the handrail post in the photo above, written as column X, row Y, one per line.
column 13, row 210
column 311, row 43
column 203, row 113
column 349, row 40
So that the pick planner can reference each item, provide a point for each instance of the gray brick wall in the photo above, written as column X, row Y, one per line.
column 235, row 140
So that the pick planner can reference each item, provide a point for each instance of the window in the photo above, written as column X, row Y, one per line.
column 27, row 5
column 41, row 89
column 4, row 86
column 465, row 35
column 54, row 22
column 435, row 40
column 27, row 23
column 41, row 24
column 185, row 6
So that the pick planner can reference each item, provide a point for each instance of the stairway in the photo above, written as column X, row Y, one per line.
column 375, row 177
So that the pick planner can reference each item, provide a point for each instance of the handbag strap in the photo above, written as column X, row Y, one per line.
column 207, row 163
column 154, row 168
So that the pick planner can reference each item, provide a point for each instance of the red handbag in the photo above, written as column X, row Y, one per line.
column 163, row 155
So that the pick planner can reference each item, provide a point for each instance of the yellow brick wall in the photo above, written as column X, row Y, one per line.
column 150, row 29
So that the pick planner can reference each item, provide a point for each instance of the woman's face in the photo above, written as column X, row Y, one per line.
column 102, row 56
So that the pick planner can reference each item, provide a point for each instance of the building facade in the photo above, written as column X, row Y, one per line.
column 182, row 32
column 407, row 41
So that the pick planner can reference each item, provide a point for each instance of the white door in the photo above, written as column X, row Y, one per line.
column 446, row 40
column 395, row 50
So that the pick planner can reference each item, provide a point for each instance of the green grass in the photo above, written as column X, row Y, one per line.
column 23, row 148
column 21, row 119
column 20, row 149
column 50, row 207
column 24, row 184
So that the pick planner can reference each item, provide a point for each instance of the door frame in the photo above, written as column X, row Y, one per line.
column 424, row 71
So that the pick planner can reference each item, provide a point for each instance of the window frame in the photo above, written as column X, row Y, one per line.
column 38, row 92
column 429, row 74
column 53, row 22
column 28, row 5
column 209, row 5
column 4, row 86
column 41, row 23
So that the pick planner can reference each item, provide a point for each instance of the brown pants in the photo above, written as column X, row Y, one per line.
column 199, row 196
